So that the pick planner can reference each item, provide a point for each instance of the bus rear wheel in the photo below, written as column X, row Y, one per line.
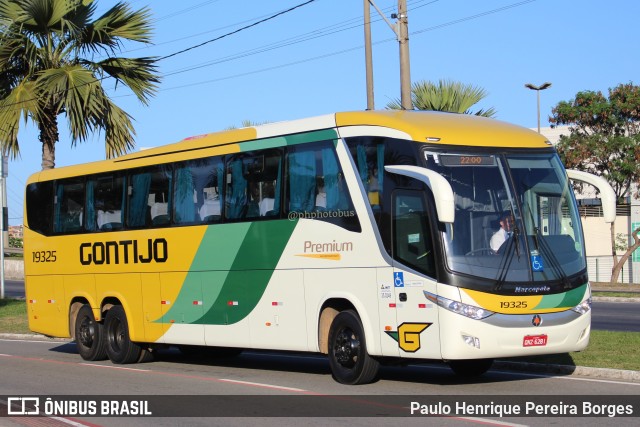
column 471, row 367
column 120, row 348
column 89, row 335
column 350, row 363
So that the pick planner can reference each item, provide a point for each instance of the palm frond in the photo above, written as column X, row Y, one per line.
column 139, row 74
column 22, row 101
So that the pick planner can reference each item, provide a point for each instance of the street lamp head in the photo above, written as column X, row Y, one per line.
column 543, row 86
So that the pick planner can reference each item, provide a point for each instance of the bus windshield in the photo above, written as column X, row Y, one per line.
column 516, row 218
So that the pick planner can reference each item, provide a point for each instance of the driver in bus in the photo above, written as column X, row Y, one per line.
column 500, row 236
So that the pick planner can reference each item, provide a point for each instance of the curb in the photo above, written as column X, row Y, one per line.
column 524, row 367
column 566, row 370
column 615, row 299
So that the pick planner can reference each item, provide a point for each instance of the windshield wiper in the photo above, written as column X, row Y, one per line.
column 507, row 258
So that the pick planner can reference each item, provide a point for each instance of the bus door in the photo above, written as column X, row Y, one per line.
column 414, row 272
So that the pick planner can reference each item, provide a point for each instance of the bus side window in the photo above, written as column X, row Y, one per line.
column 412, row 243
column 104, row 203
column 69, row 206
column 39, row 199
column 149, row 196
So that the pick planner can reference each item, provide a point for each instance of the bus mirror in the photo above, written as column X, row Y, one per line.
column 607, row 195
column 442, row 191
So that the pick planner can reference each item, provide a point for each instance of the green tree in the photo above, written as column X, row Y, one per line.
column 446, row 95
column 604, row 139
column 47, row 68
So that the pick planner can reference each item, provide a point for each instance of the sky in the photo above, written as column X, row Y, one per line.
column 310, row 61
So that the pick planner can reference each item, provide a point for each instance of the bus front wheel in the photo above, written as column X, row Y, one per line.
column 471, row 367
column 89, row 335
column 350, row 363
column 120, row 348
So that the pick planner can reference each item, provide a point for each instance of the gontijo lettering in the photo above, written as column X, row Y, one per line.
column 125, row 251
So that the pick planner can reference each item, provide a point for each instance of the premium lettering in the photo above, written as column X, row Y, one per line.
column 124, row 252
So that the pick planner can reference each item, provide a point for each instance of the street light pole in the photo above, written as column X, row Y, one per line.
column 538, row 89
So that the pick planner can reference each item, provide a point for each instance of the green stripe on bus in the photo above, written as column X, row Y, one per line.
column 298, row 138
column 251, row 271
column 230, row 272
column 567, row 299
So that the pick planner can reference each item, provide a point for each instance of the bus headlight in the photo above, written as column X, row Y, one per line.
column 467, row 310
column 583, row 307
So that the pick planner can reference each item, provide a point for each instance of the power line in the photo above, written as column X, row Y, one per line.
column 237, row 31
column 414, row 33
column 178, row 52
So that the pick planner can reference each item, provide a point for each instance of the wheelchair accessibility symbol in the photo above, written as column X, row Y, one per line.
column 398, row 279
column 536, row 263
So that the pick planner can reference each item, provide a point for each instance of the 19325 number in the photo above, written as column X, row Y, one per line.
column 44, row 256
column 513, row 304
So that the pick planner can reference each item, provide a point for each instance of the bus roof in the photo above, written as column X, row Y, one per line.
column 421, row 126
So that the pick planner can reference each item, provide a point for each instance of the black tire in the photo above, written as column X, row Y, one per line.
column 350, row 363
column 470, row 368
column 120, row 348
column 89, row 335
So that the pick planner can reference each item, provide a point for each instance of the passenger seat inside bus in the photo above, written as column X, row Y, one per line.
column 159, row 213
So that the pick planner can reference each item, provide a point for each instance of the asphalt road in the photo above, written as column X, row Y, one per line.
column 270, row 389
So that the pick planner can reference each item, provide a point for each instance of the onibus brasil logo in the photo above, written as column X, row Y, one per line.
column 408, row 335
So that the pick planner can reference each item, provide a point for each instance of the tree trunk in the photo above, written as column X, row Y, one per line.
column 48, row 127
column 614, row 255
column 617, row 267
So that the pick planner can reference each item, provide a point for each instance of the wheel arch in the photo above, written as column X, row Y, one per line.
column 330, row 309
column 74, row 307
column 135, row 331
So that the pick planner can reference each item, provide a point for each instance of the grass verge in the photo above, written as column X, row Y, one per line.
column 606, row 350
column 613, row 350
column 13, row 317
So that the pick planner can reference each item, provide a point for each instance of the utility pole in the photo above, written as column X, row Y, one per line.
column 368, row 55
column 400, row 29
column 403, row 39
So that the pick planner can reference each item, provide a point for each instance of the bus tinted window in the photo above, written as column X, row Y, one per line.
column 69, row 206
column 149, row 197
column 316, row 187
column 105, row 199
column 39, row 199
column 197, row 191
column 253, row 185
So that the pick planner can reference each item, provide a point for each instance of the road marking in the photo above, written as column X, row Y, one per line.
column 487, row 421
column 272, row 386
column 114, row 367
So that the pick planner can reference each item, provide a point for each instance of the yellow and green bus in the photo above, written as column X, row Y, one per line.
column 365, row 236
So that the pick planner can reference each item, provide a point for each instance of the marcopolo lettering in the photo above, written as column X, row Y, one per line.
column 124, row 251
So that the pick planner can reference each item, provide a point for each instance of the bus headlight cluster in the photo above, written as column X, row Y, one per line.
column 467, row 310
column 583, row 307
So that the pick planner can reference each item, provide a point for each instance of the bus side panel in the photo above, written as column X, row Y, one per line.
column 387, row 309
column 47, row 309
column 128, row 291
column 151, row 307
column 82, row 286
column 356, row 285
column 182, row 308
column 279, row 320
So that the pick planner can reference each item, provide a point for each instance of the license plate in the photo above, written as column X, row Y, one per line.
column 534, row 340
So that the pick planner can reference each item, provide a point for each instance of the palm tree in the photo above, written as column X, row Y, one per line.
column 47, row 68
column 447, row 95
